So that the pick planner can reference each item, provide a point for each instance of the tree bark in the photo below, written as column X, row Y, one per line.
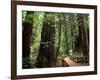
column 26, row 40
column 85, row 36
column 46, row 56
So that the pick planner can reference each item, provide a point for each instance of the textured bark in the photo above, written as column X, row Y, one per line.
column 85, row 36
column 26, row 40
column 46, row 56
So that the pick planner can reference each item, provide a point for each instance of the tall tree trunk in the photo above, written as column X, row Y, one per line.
column 66, row 38
column 46, row 56
column 26, row 39
column 78, row 40
column 58, row 47
column 85, row 36
column 27, row 34
column 66, row 35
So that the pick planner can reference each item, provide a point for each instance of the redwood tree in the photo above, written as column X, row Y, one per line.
column 46, row 56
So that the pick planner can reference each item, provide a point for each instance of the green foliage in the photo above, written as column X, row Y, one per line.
column 23, row 15
column 66, row 29
column 49, row 18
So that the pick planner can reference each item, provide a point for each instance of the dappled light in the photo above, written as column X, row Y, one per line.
column 52, row 39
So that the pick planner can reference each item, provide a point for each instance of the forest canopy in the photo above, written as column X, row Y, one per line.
column 49, row 37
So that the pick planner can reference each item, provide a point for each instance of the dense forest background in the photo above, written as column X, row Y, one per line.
column 49, row 38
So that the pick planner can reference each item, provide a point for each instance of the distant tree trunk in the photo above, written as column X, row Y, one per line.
column 27, row 33
column 78, row 40
column 59, row 32
column 66, row 38
column 46, row 56
column 66, row 35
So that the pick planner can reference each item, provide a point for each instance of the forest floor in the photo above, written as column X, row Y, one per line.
column 72, row 63
column 68, row 62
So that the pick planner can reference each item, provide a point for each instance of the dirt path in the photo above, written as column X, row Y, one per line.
column 72, row 63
